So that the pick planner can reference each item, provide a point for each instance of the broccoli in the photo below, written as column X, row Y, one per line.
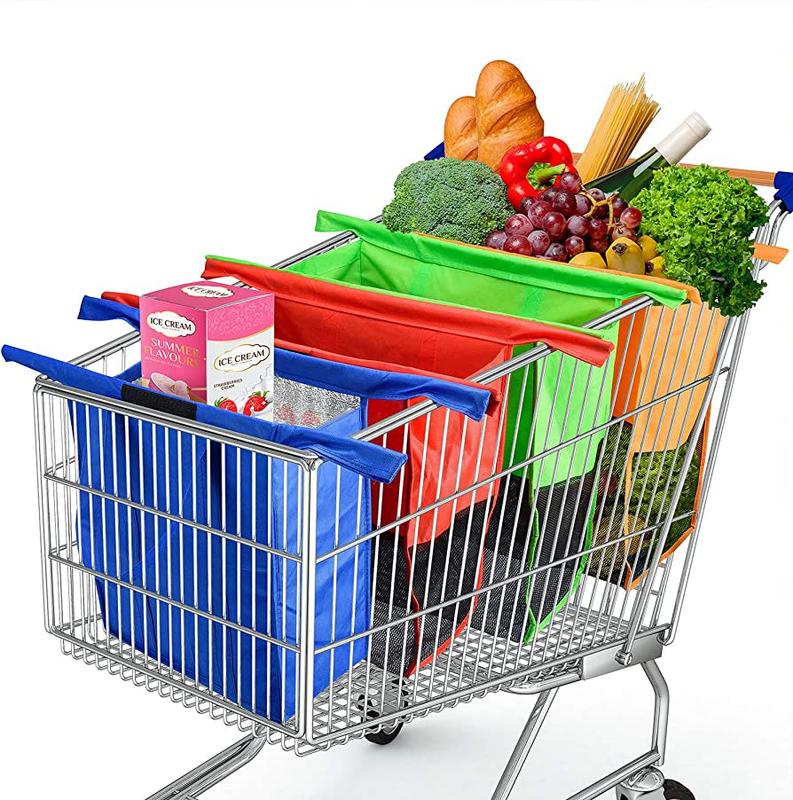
column 449, row 198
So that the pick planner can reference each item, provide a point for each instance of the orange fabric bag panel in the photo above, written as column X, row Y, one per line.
column 660, row 350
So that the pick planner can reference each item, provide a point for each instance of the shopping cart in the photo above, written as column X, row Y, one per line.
column 605, row 626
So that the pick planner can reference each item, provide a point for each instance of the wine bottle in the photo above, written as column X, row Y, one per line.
column 632, row 178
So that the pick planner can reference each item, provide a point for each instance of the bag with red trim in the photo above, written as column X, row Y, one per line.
column 433, row 550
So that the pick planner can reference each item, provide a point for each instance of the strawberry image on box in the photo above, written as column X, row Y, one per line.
column 210, row 342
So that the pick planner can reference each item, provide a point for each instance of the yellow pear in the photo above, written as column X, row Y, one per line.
column 589, row 259
column 649, row 247
column 657, row 264
column 625, row 255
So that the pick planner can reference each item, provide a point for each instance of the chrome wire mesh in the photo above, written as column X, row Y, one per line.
column 505, row 554
column 507, row 582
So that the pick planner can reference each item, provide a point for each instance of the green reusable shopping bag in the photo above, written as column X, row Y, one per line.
column 543, row 511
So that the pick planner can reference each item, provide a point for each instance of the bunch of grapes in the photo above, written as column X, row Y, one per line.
column 566, row 220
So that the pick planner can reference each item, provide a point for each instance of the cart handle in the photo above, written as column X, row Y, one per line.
column 783, row 183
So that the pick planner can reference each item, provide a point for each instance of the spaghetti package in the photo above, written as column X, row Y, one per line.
column 626, row 116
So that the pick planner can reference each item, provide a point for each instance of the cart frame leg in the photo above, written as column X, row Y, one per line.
column 212, row 771
column 626, row 774
column 525, row 742
column 661, row 715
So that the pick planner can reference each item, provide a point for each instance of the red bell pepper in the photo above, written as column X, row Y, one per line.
column 529, row 169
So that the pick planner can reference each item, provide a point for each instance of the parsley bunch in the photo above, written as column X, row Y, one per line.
column 703, row 220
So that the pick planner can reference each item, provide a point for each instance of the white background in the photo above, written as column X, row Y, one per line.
column 135, row 138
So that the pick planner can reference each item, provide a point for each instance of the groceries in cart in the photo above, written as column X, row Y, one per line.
column 449, row 451
column 596, row 210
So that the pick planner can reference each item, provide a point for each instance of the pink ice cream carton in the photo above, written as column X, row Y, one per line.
column 210, row 342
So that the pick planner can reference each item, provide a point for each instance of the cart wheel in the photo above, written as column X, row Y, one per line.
column 384, row 736
column 676, row 791
column 387, row 733
column 650, row 783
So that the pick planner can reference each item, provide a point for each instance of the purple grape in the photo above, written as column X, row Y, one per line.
column 570, row 182
column 564, row 202
column 553, row 223
column 598, row 228
column 578, row 225
column 597, row 194
column 539, row 241
column 618, row 205
column 582, row 204
column 526, row 204
column 549, row 194
column 574, row 245
column 601, row 211
column 621, row 230
column 496, row 239
column 517, row 244
column 598, row 245
column 556, row 252
column 539, row 208
column 518, row 225
column 631, row 218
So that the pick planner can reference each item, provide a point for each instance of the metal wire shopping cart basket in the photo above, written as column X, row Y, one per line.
column 644, row 496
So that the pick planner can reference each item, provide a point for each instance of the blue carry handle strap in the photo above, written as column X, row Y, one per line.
column 783, row 183
column 373, row 384
column 97, row 308
column 369, row 460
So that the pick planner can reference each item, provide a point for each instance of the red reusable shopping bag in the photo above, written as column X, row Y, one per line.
column 449, row 342
column 441, row 549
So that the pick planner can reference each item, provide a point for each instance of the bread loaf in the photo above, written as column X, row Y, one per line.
column 459, row 132
column 506, row 111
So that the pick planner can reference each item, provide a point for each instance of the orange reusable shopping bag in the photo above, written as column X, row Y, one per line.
column 661, row 353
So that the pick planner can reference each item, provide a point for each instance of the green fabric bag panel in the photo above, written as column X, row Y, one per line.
column 489, row 280
column 547, row 614
column 567, row 398
column 455, row 274
column 433, row 268
column 563, row 397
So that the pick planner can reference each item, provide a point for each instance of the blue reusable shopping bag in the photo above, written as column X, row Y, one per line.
column 249, row 495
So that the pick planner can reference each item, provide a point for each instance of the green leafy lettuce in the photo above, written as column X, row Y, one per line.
column 703, row 220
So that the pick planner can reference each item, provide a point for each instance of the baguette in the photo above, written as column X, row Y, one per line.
column 459, row 132
column 506, row 111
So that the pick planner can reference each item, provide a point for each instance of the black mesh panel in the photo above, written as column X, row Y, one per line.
column 461, row 549
column 455, row 553
column 394, row 647
column 654, row 477
column 562, row 512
